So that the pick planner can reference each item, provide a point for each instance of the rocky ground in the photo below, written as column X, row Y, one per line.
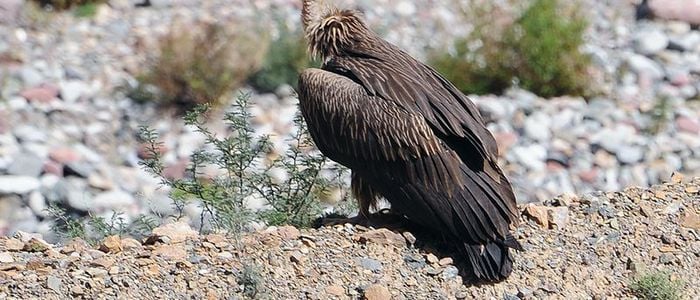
column 587, row 247
column 68, row 133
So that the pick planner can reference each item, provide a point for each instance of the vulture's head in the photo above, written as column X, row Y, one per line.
column 331, row 31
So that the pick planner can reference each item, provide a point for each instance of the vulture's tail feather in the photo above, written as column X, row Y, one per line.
column 487, row 263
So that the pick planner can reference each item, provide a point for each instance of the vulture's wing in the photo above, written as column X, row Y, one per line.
column 402, row 156
column 396, row 77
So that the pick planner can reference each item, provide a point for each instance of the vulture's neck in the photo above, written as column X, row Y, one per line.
column 331, row 31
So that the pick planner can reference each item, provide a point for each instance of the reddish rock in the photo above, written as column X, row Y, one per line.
column 44, row 93
column 688, row 125
column 52, row 167
column 176, row 171
column 382, row 236
column 111, row 244
column 589, row 176
column 288, row 232
column 682, row 10
column 505, row 141
column 538, row 214
column 64, row 155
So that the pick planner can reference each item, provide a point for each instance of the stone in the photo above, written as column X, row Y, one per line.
column 54, row 283
column 296, row 257
column 538, row 214
column 687, row 124
column 64, row 155
column 650, row 40
column 691, row 220
column 43, row 93
column 377, row 292
column 681, row 10
column 445, row 261
column 36, row 245
column 72, row 90
column 532, row 156
column 431, row 258
column 113, row 200
column 174, row 233
column 449, row 272
column 369, row 264
column 13, row 244
column 630, row 154
column 27, row 133
column 646, row 67
column 130, row 243
column 10, row 11
column 78, row 168
column 103, row 262
column 111, row 244
column 410, row 238
column 288, row 233
column 171, row 252
column 6, row 257
column 558, row 217
column 96, row 272
column 335, row 290
column 382, row 236
column 25, row 164
column 11, row 184
column 537, row 127
column 37, row 203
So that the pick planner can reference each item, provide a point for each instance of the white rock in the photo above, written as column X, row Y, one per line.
column 113, row 200
column 532, row 156
column 10, row 184
column 72, row 90
column 644, row 66
column 37, row 203
column 537, row 127
column 630, row 154
column 650, row 40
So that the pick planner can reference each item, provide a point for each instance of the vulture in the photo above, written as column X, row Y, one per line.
column 409, row 136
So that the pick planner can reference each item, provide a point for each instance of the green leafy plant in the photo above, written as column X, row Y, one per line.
column 202, row 63
column 285, row 59
column 656, row 285
column 539, row 51
column 66, row 4
column 86, row 10
column 244, row 172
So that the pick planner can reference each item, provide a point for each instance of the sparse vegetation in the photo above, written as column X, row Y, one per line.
column 251, row 280
column 94, row 229
column 245, row 174
column 86, row 10
column 284, row 61
column 202, row 63
column 656, row 285
column 66, row 4
column 538, row 51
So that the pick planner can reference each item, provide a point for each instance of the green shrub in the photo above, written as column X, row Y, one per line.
column 657, row 286
column 66, row 4
column 539, row 50
column 94, row 229
column 244, row 172
column 285, row 59
column 86, row 10
column 202, row 63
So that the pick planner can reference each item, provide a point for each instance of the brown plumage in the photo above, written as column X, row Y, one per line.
column 409, row 136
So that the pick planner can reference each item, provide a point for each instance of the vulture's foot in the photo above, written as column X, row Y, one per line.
column 384, row 218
